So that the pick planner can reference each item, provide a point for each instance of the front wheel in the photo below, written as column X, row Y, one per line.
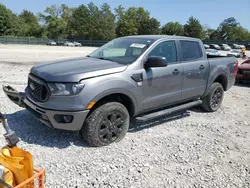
column 212, row 101
column 108, row 123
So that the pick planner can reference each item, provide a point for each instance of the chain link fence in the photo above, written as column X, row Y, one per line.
column 94, row 43
column 226, row 42
column 39, row 41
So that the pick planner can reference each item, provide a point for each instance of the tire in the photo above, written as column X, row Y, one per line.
column 98, row 129
column 213, row 100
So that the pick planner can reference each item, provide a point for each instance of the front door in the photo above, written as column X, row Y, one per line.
column 162, row 85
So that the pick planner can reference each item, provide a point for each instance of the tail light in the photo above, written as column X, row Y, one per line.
column 236, row 68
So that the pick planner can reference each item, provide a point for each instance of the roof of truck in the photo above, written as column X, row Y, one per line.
column 157, row 37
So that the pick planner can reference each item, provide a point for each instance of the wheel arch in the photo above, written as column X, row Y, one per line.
column 222, row 79
column 119, row 95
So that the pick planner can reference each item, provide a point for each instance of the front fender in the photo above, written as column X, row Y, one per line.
column 100, row 87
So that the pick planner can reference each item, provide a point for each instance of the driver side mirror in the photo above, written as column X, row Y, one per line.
column 155, row 61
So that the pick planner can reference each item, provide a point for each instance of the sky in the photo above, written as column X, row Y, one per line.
column 209, row 12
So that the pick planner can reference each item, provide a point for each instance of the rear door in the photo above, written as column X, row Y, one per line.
column 195, row 67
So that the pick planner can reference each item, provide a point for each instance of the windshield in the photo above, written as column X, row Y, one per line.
column 122, row 50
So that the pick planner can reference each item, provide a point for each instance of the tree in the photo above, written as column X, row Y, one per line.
column 80, row 22
column 55, row 20
column 91, row 22
column 8, row 22
column 29, row 25
column 149, row 27
column 173, row 28
column 227, row 27
column 145, row 24
column 193, row 28
column 127, row 23
column 241, row 33
column 135, row 21
column 107, row 23
column 231, row 29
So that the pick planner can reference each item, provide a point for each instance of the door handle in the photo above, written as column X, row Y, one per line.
column 202, row 67
column 176, row 71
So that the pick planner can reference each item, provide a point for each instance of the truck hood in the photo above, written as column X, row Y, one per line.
column 74, row 70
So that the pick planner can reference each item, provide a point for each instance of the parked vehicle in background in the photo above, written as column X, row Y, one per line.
column 242, row 46
column 215, row 46
column 243, row 73
column 206, row 46
column 51, row 43
column 235, row 53
column 77, row 43
column 212, row 52
column 248, row 46
column 135, row 77
column 68, row 43
column 236, row 46
column 225, row 47
column 60, row 43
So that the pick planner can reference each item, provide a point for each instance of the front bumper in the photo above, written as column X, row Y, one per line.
column 243, row 75
column 47, row 116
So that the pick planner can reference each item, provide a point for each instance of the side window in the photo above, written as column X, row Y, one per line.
column 165, row 49
column 190, row 50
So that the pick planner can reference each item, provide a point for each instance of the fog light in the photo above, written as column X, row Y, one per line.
column 68, row 119
column 63, row 118
column 45, row 117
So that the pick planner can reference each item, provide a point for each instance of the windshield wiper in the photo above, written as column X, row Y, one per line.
column 103, row 58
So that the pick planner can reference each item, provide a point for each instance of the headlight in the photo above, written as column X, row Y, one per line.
column 65, row 88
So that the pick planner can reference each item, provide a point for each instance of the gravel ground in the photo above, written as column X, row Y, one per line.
column 189, row 149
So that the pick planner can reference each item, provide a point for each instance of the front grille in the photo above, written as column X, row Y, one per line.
column 240, row 71
column 38, row 88
column 247, row 72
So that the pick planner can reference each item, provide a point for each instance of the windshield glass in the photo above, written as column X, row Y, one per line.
column 122, row 50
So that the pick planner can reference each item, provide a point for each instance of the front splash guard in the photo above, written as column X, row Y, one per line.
column 14, row 95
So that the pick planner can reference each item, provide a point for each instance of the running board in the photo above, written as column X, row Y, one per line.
column 168, row 111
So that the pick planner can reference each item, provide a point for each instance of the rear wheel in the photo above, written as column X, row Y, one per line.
column 212, row 101
column 108, row 123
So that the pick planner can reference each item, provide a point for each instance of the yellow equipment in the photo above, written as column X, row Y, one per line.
column 16, row 164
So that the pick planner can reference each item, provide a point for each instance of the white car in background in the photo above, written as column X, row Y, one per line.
column 77, row 44
column 242, row 46
column 67, row 43
column 237, row 46
column 235, row 53
column 206, row 46
column 51, row 43
column 225, row 47
column 212, row 52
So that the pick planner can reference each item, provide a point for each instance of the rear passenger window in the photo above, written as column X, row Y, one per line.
column 190, row 50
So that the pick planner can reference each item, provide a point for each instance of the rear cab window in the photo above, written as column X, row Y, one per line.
column 190, row 50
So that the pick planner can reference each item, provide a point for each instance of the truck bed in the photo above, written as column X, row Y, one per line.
column 222, row 64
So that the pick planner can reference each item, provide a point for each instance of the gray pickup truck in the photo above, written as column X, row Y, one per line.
column 129, row 78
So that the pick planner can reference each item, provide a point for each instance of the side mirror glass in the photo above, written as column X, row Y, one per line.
column 155, row 61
